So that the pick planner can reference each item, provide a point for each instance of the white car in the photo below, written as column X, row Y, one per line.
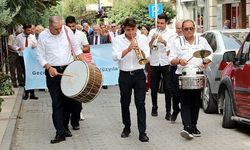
column 220, row 41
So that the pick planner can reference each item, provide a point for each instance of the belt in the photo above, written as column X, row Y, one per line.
column 60, row 67
column 132, row 72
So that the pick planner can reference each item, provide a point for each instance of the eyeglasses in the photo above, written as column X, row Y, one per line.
column 188, row 28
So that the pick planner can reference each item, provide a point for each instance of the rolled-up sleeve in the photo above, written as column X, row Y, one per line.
column 41, row 52
column 116, row 50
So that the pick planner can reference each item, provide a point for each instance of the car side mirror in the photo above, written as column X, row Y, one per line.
column 229, row 56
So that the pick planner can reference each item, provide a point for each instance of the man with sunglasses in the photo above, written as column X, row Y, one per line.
column 181, row 54
column 160, row 39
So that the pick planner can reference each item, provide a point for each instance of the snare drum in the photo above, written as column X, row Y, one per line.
column 84, row 82
column 192, row 78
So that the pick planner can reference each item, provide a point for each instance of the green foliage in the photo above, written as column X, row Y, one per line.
column 31, row 10
column 138, row 10
column 5, row 87
column 6, row 16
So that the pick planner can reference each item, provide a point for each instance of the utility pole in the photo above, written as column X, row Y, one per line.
column 156, row 12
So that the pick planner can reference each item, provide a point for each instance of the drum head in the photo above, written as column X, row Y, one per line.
column 77, row 81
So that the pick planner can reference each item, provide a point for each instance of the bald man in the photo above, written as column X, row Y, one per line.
column 54, row 54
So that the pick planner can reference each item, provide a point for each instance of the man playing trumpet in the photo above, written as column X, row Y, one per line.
column 159, row 62
column 131, row 75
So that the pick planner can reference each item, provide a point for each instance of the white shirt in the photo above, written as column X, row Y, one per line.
column 20, row 42
column 55, row 49
column 130, row 61
column 182, row 49
column 81, row 38
column 113, row 34
column 159, row 57
column 11, row 42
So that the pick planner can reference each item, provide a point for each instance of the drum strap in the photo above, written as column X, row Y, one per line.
column 70, row 44
column 182, row 40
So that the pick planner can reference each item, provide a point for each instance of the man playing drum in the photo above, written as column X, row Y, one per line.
column 54, row 53
column 182, row 55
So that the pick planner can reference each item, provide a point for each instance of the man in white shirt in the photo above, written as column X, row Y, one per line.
column 23, row 40
column 174, row 84
column 113, row 31
column 54, row 53
column 131, row 75
column 181, row 54
column 16, row 73
column 160, row 41
column 76, row 106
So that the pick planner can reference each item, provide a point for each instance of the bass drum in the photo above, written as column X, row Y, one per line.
column 81, row 81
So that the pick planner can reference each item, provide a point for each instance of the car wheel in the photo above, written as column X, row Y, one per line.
column 227, row 122
column 208, row 103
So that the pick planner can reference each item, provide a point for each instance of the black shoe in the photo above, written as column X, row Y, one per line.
column 168, row 116
column 154, row 111
column 21, row 85
column 174, row 117
column 105, row 87
column 187, row 133
column 143, row 137
column 125, row 132
column 26, row 96
column 67, row 133
column 196, row 132
column 76, row 127
column 33, row 97
column 57, row 139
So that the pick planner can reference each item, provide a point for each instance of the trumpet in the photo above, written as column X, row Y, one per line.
column 154, row 45
column 142, row 60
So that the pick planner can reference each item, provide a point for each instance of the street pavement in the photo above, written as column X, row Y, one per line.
column 102, row 127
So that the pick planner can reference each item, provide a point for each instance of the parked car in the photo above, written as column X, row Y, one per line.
column 234, row 88
column 220, row 41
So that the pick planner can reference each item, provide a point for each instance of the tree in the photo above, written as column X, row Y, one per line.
column 138, row 10
column 30, row 10
column 6, row 16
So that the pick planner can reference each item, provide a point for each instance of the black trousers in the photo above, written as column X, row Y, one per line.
column 61, row 105
column 158, row 72
column 190, row 106
column 32, row 92
column 137, row 81
column 16, row 72
column 76, row 108
column 174, row 89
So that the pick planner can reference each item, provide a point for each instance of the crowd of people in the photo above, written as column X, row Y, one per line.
column 167, row 50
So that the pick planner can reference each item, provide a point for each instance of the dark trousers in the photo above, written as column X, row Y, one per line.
column 60, row 103
column 156, row 73
column 190, row 106
column 174, row 89
column 127, row 82
column 32, row 92
column 76, row 108
column 16, row 72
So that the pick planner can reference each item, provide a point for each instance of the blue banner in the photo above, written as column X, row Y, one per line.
column 102, row 56
column 35, row 75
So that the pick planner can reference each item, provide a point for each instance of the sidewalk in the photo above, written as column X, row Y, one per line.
column 8, row 117
column 102, row 128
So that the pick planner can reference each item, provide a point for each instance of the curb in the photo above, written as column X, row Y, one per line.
column 11, row 127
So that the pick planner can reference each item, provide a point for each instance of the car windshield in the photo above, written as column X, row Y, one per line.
column 233, row 40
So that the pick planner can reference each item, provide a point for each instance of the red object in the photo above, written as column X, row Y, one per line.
column 26, row 41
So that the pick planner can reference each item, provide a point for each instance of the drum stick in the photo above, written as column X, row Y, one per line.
column 63, row 74
column 190, row 58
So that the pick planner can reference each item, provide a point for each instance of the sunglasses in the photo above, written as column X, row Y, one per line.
column 113, row 26
column 188, row 28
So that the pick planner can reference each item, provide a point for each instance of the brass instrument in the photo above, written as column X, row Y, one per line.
column 154, row 45
column 140, row 54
